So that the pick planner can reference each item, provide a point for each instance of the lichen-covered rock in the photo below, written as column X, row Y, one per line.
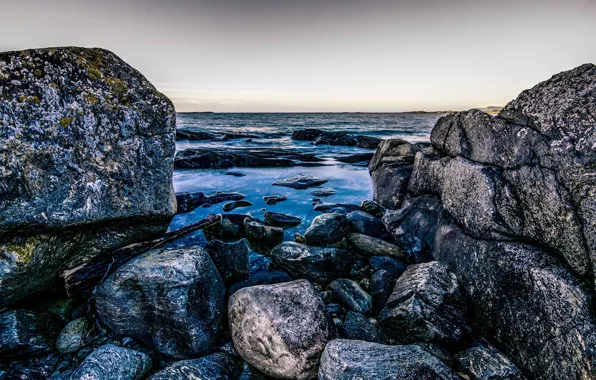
column 217, row 366
column 24, row 334
column 354, row 360
column 426, row 305
column 72, row 336
column 113, row 362
column 281, row 329
column 171, row 299
column 86, row 152
column 230, row 259
column 484, row 362
column 327, row 229
column 351, row 295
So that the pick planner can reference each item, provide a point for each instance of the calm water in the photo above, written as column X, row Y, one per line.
column 353, row 183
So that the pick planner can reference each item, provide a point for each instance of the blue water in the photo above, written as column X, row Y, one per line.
column 352, row 182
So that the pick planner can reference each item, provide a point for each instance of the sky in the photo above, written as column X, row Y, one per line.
column 321, row 55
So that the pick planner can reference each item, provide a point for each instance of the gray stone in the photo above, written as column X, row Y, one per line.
column 171, row 299
column 217, row 366
column 277, row 219
column 357, row 327
column 327, row 229
column 274, row 198
column 364, row 223
column 230, row 259
column 25, row 334
column 370, row 246
column 484, row 362
column 72, row 336
column 234, row 205
column 113, row 362
column 340, row 208
column 351, row 295
column 300, row 182
column 324, row 192
column 86, row 151
column 281, row 329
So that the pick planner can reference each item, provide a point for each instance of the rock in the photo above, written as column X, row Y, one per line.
column 323, row 192
column 320, row 265
column 356, row 158
column 259, row 233
column 353, row 359
column 272, row 336
column 300, row 182
column 357, row 327
column 86, row 150
column 72, row 337
column 25, row 334
column 306, row 134
column 483, row 362
column 251, row 373
column 230, row 228
column 426, row 305
column 274, row 199
column 340, row 208
column 382, row 283
column 281, row 220
column 372, row 208
column 389, row 264
column 336, row 138
column 194, row 135
column 235, row 174
column 171, row 299
column 217, row 366
column 327, row 229
column 335, row 310
column 261, row 278
column 190, row 201
column 370, row 246
column 351, row 295
column 234, row 205
column 230, row 259
column 113, row 362
column 364, row 223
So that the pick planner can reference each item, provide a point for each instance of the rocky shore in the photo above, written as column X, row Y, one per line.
column 475, row 260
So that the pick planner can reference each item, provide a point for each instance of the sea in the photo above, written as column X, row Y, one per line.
column 352, row 182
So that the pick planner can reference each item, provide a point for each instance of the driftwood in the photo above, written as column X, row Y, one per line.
column 85, row 277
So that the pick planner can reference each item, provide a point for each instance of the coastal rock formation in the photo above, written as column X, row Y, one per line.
column 190, row 201
column 300, row 182
column 208, row 158
column 171, row 299
column 336, row 138
column 230, row 259
column 86, row 159
column 508, row 203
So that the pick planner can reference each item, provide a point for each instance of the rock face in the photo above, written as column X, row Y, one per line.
column 218, row 366
column 354, row 359
column 86, row 152
column 113, row 362
column 172, row 299
column 509, row 204
column 24, row 333
column 271, row 335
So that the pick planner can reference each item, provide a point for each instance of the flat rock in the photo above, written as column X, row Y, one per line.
column 217, row 366
column 25, row 334
column 370, row 246
column 260, row 234
column 351, row 295
column 182, row 134
column 372, row 208
column 171, row 299
column 327, row 229
column 274, row 199
column 300, row 182
column 281, row 220
column 113, row 362
column 234, row 205
column 341, row 208
column 230, row 259
column 224, row 158
column 281, row 329
column 324, row 192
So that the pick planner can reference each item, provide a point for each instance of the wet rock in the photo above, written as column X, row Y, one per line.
column 272, row 336
column 300, row 182
column 230, row 228
column 483, row 362
column 306, row 134
column 113, row 362
column 190, row 201
column 389, row 264
column 234, row 205
column 341, row 208
column 357, row 327
column 217, row 366
column 261, row 278
column 171, row 299
column 324, row 192
column 353, row 359
column 24, row 334
column 86, row 151
column 382, row 283
column 364, row 223
column 426, row 305
column 230, row 259
column 281, row 220
column 274, row 199
column 336, row 310
column 194, row 135
column 72, row 336
column 320, row 265
column 370, row 246
column 235, row 174
column 351, row 295
column 327, row 229
column 356, row 158
column 373, row 208
column 259, row 233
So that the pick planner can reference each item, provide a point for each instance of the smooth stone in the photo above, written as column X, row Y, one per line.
column 274, row 199
column 327, row 229
column 113, row 362
column 300, row 182
column 324, row 192
column 235, row 174
column 341, row 208
column 25, row 334
column 234, row 205
column 281, row 329
column 230, row 259
column 72, row 336
column 277, row 219
column 482, row 361
column 260, row 278
column 370, row 246
column 351, row 295
column 364, row 223
column 357, row 327
column 217, row 366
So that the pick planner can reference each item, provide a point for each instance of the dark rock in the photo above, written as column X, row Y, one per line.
column 389, row 264
column 320, row 265
column 281, row 220
column 230, row 228
column 370, row 246
column 219, row 158
column 484, row 362
column 72, row 337
column 364, row 223
column 234, row 136
column 235, row 174
column 113, row 362
column 323, row 192
column 351, row 295
column 234, row 205
column 342, row 138
column 327, row 229
column 373, row 208
column 190, row 201
column 260, row 234
column 300, row 182
column 353, row 359
column 86, row 162
column 24, row 334
column 258, row 262
column 280, row 329
column 217, row 366
column 341, row 208
column 355, row 158
column 230, row 259
column 382, row 283
column 336, row 310
column 261, row 278
column 274, row 199
column 172, row 299
column 357, row 327
column 194, row 135
column 306, row 134
column 251, row 373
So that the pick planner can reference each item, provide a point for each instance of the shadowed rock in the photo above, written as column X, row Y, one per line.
column 25, row 334
column 218, row 366
column 327, row 229
column 113, row 362
column 277, row 219
column 300, row 182
column 216, row 158
column 230, row 259
column 483, row 361
column 351, row 295
column 190, row 201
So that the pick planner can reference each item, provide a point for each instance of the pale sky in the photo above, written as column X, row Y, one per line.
column 321, row 55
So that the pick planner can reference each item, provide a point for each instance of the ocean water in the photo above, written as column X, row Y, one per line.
column 352, row 182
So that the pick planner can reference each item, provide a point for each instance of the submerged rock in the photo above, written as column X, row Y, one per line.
column 281, row 220
column 300, row 182
column 336, row 138
column 218, row 158
column 327, row 229
column 324, row 192
column 182, row 134
column 113, row 362
column 217, row 366
column 86, row 151
column 230, row 259
column 190, row 201
column 281, row 329
column 25, row 334
column 234, row 205
column 171, row 299
column 274, row 199
column 341, row 208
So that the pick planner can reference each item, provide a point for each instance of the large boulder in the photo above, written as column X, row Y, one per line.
column 113, row 362
column 171, row 299
column 281, row 329
column 355, row 359
column 86, row 161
